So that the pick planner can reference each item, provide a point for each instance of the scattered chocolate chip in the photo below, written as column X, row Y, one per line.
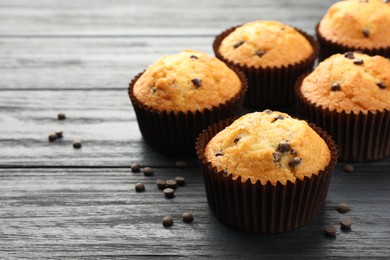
column 171, row 184
column 139, row 187
column 197, row 82
column 194, row 57
column 346, row 224
column 381, row 85
column 181, row 164
column 167, row 221
column 61, row 116
column 335, row 87
column 181, row 181
column 52, row 137
column 294, row 162
column 260, row 53
column 349, row 55
column 330, row 230
column 268, row 111
column 219, row 153
column 277, row 157
column 343, row 207
column 348, row 168
column 187, row 217
column 169, row 192
column 386, row 1
column 148, row 171
column 161, row 184
column 154, row 89
column 238, row 44
column 284, row 147
column 135, row 167
column 237, row 139
column 358, row 62
column 293, row 152
column 77, row 144
column 366, row 33
column 278, row 117
column 59, row 133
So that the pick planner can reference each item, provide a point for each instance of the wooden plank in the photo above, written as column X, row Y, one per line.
column 99, row 17
column 87, row 63
column 68, row 213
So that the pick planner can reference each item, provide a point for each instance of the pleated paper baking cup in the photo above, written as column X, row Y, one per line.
column 270, row 87
column 360, row 137
column 328, row 48
column 174, row 133
column 263, row 208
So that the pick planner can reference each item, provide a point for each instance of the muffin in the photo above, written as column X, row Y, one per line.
column 180, row 95
column 258, row 168
column 355, row 25
column 272, row 55
column 348, row 95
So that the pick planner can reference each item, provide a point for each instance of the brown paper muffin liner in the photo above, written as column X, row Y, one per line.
column 359, row 137
column 328, row 48
column 173, row 133
column 263, row 208
column 270, row 87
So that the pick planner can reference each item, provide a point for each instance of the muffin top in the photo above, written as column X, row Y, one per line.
column 268, row 146
column 265, row 44
column 356, row 23
column 187, row 81
column 350, row 82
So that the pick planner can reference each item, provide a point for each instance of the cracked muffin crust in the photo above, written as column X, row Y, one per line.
column 187, row 81
column 265, row 44
column 350, row 82
column 357, row 23
column 268, row 146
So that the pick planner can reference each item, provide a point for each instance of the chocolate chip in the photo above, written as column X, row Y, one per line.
column 349, row 55
column 237, row 139
column 358, row 62
column 187, row 217
column 171, row 184
column 219, row 153
column 169, row 192
column 154, row 89
column 139, row 187
column 161, row 184
column 194, row 57
column 268, row 111
column 346, row 224
column 52, row 137
column 135, row 167
column 348, row 168
column 181, row 181
column 293, row 152
column 335, row 87
column 330, row 230
column 197, row 82
column 294, row 162
column 343, row 207
column 77, row 144
column 148, row 171
column 381, row 85
column 284, row 147
column 386, row 1
column 278, row 117
column 277, row 157
column 59, row 133
column 61, row 116
column 181, row 164
column 238, row 44
column 366, row 33
column 167, row 221
column 260, row 53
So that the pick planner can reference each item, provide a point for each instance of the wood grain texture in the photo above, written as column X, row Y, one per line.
column 72, row 213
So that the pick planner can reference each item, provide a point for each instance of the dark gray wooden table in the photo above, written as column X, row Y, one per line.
column 77, row 57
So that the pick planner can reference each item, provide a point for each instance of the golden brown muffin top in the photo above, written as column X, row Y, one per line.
column 350, row 82
column 265, row 44
column 268, row 146
column 356, row 23
column 187, row 81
